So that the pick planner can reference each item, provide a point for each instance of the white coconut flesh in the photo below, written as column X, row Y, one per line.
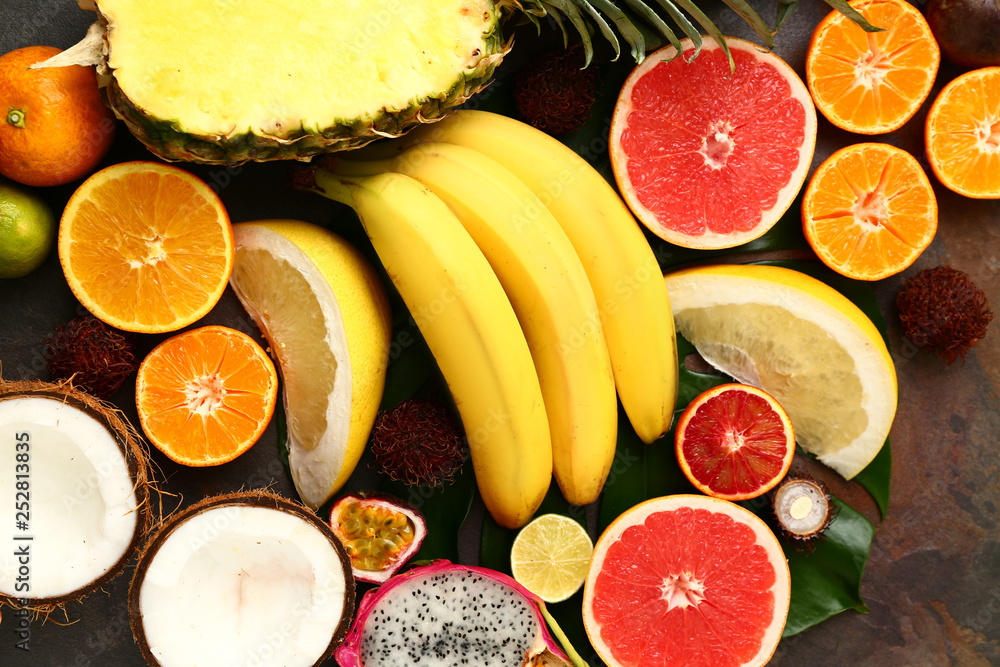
column 451, row 618
column 239, row 584
column 67, row 499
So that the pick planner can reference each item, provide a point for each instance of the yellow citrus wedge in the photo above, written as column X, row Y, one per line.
column 801, row 341
column 326, row 316
column 550, row 557
column 146, row 246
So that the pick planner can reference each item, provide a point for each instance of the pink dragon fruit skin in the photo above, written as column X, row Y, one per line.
column 540, row 647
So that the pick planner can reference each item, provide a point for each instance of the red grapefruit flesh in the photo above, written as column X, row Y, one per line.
column 706, row 159
column 686, row 580
column 734, row 442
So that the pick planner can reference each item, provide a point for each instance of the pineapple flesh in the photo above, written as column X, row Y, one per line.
column 226, row 81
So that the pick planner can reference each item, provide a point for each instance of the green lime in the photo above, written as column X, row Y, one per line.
column 27, row 231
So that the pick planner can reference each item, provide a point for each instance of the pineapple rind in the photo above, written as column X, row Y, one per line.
column 168, row 139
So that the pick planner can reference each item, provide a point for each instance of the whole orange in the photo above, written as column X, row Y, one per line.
column 54, row 128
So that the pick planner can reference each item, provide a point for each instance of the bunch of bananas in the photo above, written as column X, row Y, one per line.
column 535, row 289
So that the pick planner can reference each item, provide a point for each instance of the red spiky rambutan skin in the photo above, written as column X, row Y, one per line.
column 556, row 93
column 98, row 357
column 418, row 442
column 943, row 310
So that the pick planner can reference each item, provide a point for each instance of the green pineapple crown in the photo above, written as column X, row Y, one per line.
column 628, row 15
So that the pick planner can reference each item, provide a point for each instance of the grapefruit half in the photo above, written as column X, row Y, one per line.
column 686, row 580
column 706, row 159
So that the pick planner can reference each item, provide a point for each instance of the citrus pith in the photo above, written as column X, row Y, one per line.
column 326, row 316
column 708, row 158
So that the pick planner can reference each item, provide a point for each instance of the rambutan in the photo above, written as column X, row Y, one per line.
column 418, row 442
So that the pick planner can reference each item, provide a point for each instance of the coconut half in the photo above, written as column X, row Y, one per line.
column 74, row 490
column 248, row 578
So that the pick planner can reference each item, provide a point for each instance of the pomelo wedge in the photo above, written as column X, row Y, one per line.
column 706, row 159
column 802, row 342
column 686, row 580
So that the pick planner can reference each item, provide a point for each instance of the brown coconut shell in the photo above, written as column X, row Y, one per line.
column 253, row 498
column 136, row 457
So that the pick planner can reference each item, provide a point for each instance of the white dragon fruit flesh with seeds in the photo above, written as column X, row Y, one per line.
column 442, row 615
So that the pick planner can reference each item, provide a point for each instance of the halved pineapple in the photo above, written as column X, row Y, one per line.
column 225, row 81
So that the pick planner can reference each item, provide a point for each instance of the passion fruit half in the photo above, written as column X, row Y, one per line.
column 379, row 532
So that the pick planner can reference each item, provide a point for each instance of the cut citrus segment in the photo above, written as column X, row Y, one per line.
column 869, row 211
column 550, row 557
column 205, row 396
column 686, row 580
column 146, row 247
column 326, row 316
column 872, row 82
column 801, row 341
column 706, row 158
column 734, row 442
column 963, row 134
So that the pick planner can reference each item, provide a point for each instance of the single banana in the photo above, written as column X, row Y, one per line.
column 552, row 297
column 626, row 278
column 470, row 328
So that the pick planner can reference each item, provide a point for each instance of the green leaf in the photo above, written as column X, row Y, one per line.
column 753, row 19
column 570, row 11
column 876, row 478
column 845, row 8
column 602, row 25
column 827, row 580
column 686, row 27
column 709, row 27
column 785, row 9
column 625, row 26
column 651, row 17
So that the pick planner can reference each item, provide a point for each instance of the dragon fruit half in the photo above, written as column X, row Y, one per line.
column 447, row 614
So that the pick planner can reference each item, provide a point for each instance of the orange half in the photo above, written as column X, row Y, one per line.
column 963, row 134
column 205, row 396
column 734, row 442
column 146, row 247
column 869, row 211
column 872, row 82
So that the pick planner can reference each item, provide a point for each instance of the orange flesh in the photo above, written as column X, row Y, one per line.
column 374, row 536
column 872, row 82
column 963, row 134
column 708, row 151
column 204, row 397
column 686, row 587
column 735, row 444
column 146, row 249
column 869, row 211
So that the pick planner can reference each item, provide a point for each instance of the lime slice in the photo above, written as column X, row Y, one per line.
column 801, row 341
column 550, row 557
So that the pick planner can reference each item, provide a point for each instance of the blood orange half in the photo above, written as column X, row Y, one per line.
column 686, row 580
column 734, row 442
column 709, row 159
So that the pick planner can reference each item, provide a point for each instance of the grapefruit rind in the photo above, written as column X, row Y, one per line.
column 784, row 197
column 689, row 413
column 637, row 515
column 825, row 353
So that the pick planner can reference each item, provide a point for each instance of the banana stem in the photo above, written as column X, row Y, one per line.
column 326, row 183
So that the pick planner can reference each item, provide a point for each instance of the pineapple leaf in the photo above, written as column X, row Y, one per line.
column 689, row 30
column 850, row 12
column 602, row 25
column 785, row 9
column 712, row 29
column 569, row 10
column 636, row 41
column 557, row 19
column 654, row 19
column 752, row 19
